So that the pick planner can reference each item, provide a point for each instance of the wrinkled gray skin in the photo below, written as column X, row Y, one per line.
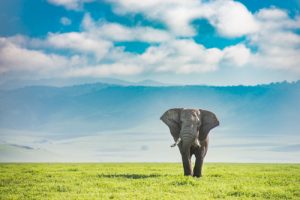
column 190, row 125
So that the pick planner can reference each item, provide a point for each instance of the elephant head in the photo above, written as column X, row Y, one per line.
column 188, row 126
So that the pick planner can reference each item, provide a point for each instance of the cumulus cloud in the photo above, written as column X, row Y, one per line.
column 238, row 55
column 118, row 32
column 16, row 58
column 175, row 56
column 277, row 43
column 271, row 42
column 175, row 14
column 230, row 18
column 97, row 38
column 80, row 42
column 70, row 4
column 182, row 56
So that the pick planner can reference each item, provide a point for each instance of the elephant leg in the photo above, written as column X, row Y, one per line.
column 200, row 153
column 186, row 157
column 198, row 162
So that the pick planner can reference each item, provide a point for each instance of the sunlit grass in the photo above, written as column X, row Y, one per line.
column 148, row 181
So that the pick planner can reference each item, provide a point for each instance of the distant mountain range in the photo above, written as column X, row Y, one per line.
column 90, row 108
column 63, row 82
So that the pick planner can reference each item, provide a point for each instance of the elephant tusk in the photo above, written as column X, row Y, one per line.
column 197, row 143
column 176, row 143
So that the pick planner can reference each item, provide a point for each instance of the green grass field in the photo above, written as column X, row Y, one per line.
column 148, row 181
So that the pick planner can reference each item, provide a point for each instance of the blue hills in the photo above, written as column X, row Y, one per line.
column 270, row 109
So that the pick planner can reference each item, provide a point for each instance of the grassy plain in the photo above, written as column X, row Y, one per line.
column 148, row 181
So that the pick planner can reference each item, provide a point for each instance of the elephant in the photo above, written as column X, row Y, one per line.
column 190, row 128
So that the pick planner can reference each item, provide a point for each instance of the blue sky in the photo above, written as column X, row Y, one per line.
column 172, row 41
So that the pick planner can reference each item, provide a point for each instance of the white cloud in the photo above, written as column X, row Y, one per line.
column 16, row 58
column 270, row 31
column 118, row 32
column 230, row 18
column 274, row 18
column 80, row 42
column 175, row 13
column 97, row 38
column 238, row 54
column 277, row 43
column 182, row 56
column 272, row 14
column 65, row 21
column 70, row 4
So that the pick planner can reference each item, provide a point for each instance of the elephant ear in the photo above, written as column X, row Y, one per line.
column 172, row 119
column 208, row 122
